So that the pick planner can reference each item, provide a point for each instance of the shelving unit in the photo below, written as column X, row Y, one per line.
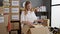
column 12, row 8
column 15, row 16
column 41, row 14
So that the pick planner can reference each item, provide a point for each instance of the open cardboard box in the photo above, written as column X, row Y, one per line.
column 38, row 29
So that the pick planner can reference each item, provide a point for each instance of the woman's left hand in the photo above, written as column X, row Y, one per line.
column 40, row 20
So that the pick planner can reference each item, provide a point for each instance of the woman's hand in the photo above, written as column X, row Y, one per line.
column 39, row 20
column 29, row 23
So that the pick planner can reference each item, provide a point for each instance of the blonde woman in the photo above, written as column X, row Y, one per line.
column 28, row 16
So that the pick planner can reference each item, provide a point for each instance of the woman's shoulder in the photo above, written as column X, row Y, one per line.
column 22, row 11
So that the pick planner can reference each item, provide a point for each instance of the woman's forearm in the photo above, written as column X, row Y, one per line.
column 39, row 20
column 27, row 23
column 24, row 22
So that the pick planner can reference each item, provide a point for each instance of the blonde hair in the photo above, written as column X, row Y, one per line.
column 27, row 2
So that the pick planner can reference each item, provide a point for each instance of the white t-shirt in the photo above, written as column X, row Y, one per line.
column 29, row 17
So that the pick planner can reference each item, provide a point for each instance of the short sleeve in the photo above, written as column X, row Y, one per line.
column 22, row 16
column 35, row 17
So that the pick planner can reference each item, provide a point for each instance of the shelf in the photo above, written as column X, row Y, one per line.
column 15, row 21
column 41, row 13
column 15, row 30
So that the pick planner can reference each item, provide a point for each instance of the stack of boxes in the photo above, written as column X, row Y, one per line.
column 3, row 24
column 15, row 10
column 15, row 20
column 6, row 5
column 1, row 10
column 11, row 8
column 4, row 18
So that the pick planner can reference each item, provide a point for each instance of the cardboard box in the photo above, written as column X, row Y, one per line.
column 46, row 22
column 15, row 26
column 14, row 32
column 37, row 30
column 3, row 24
column 15, row 3
column 6, row 10
column 14, row 9
column 15, row 17
column 15, row 0
column 6, row 4
column 41, row 30
column 12, row 26
column 1, row 10
column 6, row 0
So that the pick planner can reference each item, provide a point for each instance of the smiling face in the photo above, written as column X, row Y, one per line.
column 28, row 5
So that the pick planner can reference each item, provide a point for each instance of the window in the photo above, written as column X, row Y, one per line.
column 55, row 2
column 55, row 13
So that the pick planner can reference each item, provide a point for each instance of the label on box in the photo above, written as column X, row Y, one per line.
column 6, row 10
column 15, row 17
column 1, row 19
column 15, row 3
column 15, row 10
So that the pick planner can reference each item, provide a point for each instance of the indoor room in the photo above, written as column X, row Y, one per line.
column 29, row 16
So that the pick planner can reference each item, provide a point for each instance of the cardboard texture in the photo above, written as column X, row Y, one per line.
column 6, row 0
column 12, row 26
column 1, row 10
column 14, row 32
column 25, row 29
column 46, row 22
column 15, row 3
column 41, row 30
column 7, row 4
column 15, row 10
column 14, row 17
column 6, row 10
column 15, row 26
column 37, row 30
column 3, row 26
column 15, row 0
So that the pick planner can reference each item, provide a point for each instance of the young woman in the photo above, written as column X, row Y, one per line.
column 28, row 16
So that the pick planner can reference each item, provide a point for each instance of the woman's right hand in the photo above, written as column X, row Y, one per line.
column 29, row 23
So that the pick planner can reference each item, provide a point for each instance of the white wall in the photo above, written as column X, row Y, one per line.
column 55, row 2
column 55, row 16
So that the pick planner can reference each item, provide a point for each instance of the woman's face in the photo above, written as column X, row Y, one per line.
column 29, row 6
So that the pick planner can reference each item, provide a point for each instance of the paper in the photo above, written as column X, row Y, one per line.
column 15, row 3
column 15, row 17
column 15, row 10
column 1, row 19
column 43, row 8
column 6, row 10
